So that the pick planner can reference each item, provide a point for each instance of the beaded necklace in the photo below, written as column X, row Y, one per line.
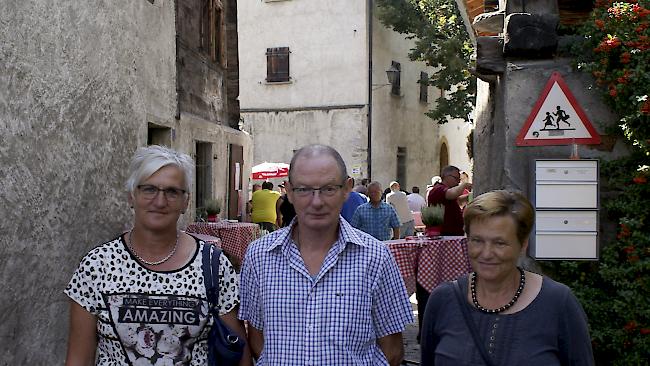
column 146, row 261
column 520, row 289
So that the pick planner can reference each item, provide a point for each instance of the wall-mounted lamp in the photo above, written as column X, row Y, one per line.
column 393, row 74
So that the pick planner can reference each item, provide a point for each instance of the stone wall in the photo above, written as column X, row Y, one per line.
column 504, row 106
column 80, row 82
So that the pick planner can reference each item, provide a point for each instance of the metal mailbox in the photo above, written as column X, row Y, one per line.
column 566, row 207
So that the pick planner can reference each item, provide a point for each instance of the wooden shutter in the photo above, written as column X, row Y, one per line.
column 277, row 64
column 424, row 87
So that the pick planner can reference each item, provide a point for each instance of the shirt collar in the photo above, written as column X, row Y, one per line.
column 347, row 235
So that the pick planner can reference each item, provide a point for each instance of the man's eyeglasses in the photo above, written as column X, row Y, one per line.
column 327, row 191
column 150, row 192
column 455, row 177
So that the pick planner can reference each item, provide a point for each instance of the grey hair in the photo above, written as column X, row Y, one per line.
column 148, row 160
column 375, row 183
column 316, row 150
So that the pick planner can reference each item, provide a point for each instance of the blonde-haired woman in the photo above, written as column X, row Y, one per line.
column 501, row 314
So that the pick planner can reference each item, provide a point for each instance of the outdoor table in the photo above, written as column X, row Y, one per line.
column 430, row 262
column 424, row 263
column 235, row 236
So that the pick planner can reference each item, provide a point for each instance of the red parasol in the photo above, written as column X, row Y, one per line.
column 270, row 170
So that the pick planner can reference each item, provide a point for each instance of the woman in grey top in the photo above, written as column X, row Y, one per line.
column 518, row 317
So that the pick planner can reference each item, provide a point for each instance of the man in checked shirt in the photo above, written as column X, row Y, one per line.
column 320, row 292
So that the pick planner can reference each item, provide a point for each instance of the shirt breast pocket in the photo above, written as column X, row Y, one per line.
column 351, row 322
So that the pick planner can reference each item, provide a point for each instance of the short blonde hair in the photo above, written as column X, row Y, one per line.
column 501, row 203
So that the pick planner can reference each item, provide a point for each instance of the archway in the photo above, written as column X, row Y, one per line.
column 444, row 155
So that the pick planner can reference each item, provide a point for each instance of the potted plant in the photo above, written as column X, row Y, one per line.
column 432, row 218
column 212, row 208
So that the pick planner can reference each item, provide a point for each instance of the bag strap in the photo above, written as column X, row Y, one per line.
column 210, row 268
column 470, row 324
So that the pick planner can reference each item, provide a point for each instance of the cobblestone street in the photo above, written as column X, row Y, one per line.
column 411, row 345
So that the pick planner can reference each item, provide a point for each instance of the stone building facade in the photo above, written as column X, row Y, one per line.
column 333, row 89
column 82, row 85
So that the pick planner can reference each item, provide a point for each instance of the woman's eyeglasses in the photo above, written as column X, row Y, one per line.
column 150, row 192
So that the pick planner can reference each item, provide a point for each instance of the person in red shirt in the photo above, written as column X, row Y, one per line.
column 447, row 194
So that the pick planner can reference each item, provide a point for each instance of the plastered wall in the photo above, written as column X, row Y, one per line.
column 79, row 84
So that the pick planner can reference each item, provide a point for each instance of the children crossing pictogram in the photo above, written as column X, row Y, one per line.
column 557, row 118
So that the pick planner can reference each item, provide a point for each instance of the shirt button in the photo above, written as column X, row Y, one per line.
column 496, row 326
column 491, row 345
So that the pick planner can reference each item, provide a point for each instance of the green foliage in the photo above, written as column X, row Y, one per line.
column 433, row 215
column 442, row 42
column 615, row 290
column 213, row 206
column 615, row 51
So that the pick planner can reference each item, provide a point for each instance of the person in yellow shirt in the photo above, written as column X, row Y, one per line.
column 264, row 202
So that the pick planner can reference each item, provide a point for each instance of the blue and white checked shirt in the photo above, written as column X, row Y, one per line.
column 333, row 318
column 376, row 221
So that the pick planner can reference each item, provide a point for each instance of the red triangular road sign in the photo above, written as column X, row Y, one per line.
column 557, row 119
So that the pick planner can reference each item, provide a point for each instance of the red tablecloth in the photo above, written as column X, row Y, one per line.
column 235, row 236
column 430, row 261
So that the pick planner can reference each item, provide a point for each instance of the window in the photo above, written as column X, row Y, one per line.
column 395, row 88
column 277, row 64
column 401, row 166
column 213, row 39
column 203, row 173
column 424, row 87
column 158, row 135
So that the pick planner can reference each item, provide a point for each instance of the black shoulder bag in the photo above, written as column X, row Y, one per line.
column 470, row 324
column 225, row 347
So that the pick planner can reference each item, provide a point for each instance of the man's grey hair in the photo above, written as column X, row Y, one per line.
column 375, row 183
column 148, row 160
column 448, row 170
column 311, row 151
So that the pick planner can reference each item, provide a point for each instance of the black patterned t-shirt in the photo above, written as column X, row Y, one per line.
column 147, row 317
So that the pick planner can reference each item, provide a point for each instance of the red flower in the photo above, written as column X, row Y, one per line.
column 612, row 91
column 625, row 232
column 625, row 57
column 645, row 331
column 600, row 24
column 645, row 108
column 633, row 258
column 639, row 179
column 613, row 42
column 631, row 325
column 629, row 249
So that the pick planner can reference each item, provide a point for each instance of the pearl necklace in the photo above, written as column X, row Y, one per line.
column 520, row 289
column 146, row 261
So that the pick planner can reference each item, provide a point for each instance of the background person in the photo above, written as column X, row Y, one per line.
column 265, row 207
column 321, row 292
column 354, row 200
column 376, row 217
column 415, row 200
column 398, row 200
column 286, row 212
column 521, row 318
column 447, row 194
column 123, row 287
